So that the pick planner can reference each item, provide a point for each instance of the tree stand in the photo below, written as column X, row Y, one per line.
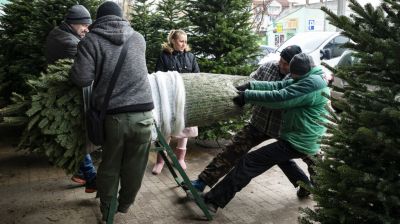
column 183, row 181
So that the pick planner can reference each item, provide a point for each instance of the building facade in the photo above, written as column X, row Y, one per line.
column 300, row 18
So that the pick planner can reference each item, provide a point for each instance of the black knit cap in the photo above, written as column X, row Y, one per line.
column 109, row 8
column 289, row 52
column 301, row 64
column 78, row 14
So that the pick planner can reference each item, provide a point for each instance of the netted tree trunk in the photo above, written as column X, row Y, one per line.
column 55, row 112
column 209, row 98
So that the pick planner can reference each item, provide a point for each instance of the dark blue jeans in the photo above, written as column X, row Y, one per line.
column 87, row 169
column 254, row 164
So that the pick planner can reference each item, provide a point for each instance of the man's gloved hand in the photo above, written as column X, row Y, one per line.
column 243, row 87
column 239, row 99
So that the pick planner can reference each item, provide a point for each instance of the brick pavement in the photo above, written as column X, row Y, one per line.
column 31, row 191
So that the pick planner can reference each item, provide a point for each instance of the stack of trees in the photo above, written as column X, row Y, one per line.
column 358, row 180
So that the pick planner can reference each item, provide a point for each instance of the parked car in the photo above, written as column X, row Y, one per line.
column 319, row 45
column 263, row 51
column 347, row 59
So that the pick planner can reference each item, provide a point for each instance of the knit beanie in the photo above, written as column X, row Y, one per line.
column 300, row 64
column 109, row 8
column 289, row 52
column 78, row 14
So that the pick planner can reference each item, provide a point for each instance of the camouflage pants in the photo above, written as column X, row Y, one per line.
column 241, row 144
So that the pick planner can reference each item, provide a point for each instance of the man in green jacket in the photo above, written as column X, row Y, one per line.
column 264, row 124
column 302, row 98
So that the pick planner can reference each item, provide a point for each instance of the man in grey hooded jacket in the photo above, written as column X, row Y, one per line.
column 129, row 118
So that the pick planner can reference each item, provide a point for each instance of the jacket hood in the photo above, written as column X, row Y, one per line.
column 112, row 28
column 317, row 70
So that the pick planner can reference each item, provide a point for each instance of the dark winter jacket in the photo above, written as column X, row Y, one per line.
column 97, row 56
column 182, row 62
column 62, row 42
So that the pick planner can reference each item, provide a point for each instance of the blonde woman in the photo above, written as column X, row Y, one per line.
column 175, row 56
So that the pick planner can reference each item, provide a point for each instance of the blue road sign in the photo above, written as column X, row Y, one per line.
column 311, row 24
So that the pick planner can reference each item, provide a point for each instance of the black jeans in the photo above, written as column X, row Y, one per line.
column 241, row 144
column 254, row 164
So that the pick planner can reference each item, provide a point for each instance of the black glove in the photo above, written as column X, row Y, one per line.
column 239, row 99
column 243, row 87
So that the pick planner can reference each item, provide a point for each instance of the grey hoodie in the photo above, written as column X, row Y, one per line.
column 97, row 56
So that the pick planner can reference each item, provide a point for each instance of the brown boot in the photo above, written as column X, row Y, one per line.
column 158, row 166
column 180, row 154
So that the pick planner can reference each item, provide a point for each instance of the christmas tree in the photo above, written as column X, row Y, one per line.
column 222, row 35
column 358, row 179
column 15, row 57
column 173, row 14
column 145, row 21
column 55, row 126
column 154, row 21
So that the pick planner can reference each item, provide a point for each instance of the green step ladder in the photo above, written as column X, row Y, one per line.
column 183, row 180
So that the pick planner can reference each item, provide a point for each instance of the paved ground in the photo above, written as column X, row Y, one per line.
column 32, row 191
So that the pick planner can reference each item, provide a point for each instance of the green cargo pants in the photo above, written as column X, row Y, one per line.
column 124, row 157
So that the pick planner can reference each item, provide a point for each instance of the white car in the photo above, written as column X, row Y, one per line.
column 347, row 59
column 264, row 50
column 319, row 45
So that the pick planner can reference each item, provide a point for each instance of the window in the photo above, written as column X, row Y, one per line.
column 334, row 46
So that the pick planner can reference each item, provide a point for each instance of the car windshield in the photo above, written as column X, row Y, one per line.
column 266, row 49
column 308, row 41
column 348, row 59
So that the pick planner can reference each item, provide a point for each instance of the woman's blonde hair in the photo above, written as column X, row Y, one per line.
column 169, row 45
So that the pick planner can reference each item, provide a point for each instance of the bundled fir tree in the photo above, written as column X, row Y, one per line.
column 55, row 123
column 222, row 35
column 55, row 111
column 358, row 180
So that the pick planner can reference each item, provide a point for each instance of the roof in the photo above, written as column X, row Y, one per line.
column 284, row 3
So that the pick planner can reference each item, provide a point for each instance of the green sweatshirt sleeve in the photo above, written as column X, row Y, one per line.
column 298, row 94
column 272, row 85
